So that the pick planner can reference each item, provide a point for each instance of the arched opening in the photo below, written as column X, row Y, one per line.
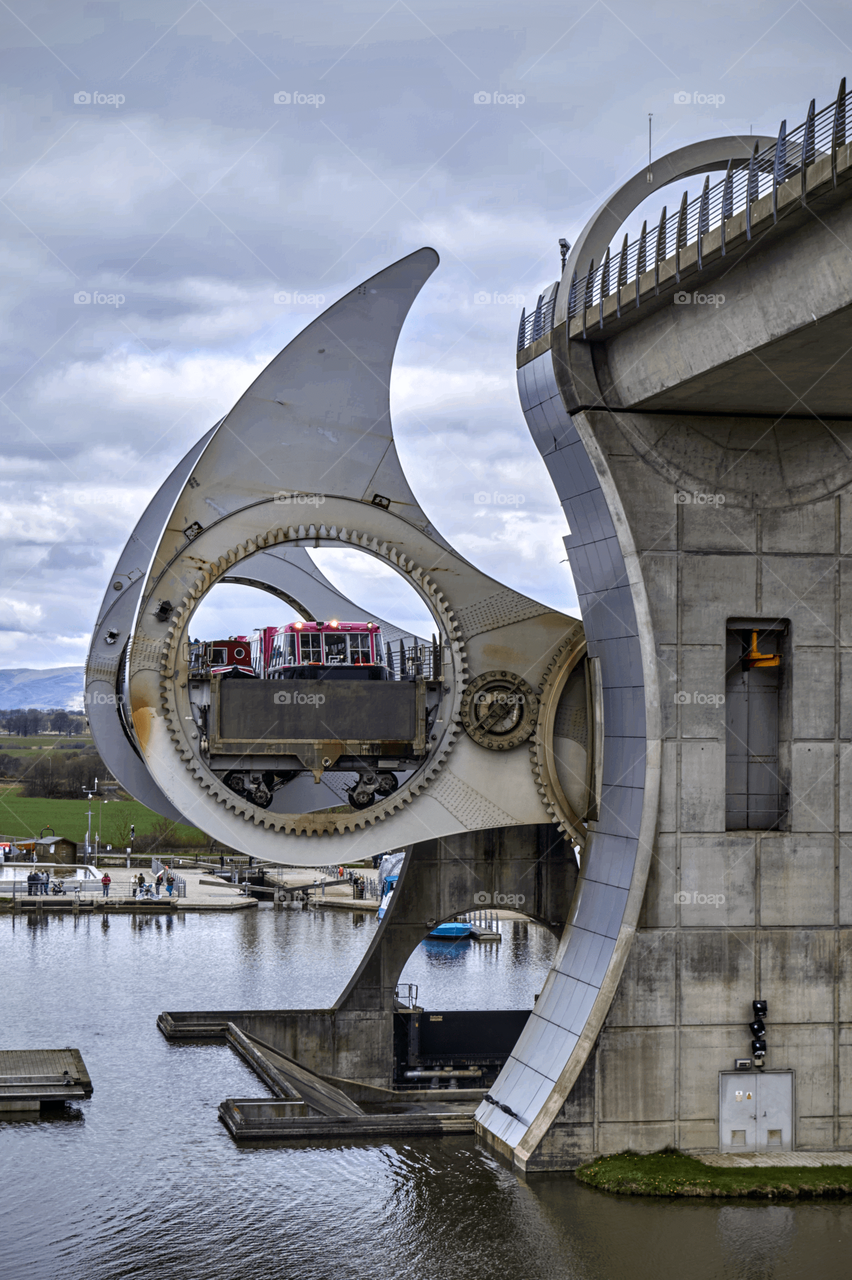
column 314, row 693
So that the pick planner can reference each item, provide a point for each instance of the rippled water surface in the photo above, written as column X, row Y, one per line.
column 142, row 1180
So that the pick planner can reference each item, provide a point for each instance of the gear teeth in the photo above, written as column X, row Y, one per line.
column 285, row 823
column 537, row 747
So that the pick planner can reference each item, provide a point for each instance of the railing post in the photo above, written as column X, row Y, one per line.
column 536, row 333
column 641, row 257
column 703, row 220
column 680, row 236
column 604, row 293
column 572, row 296
column 779, row 168
column 808, row 149
column 727, row 199
column 660, row 249
column 522, row 330
column 752, row 188
column 621, row 280
column 587, row 291
column 838, row 128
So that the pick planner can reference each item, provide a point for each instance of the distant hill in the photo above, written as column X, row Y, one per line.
column 53, row 687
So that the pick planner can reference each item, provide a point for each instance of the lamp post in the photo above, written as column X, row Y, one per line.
column 90, row 792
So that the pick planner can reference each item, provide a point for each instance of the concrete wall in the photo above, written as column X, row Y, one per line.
column 732, row 916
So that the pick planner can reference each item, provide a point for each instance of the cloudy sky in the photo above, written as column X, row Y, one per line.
column 146, row 161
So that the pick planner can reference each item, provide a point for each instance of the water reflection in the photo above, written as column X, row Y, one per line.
column 151, row 1186
column 754, row 1238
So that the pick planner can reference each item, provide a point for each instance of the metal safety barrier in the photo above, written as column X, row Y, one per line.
column 820, row 135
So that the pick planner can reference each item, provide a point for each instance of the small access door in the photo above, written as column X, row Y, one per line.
column 755, row 1111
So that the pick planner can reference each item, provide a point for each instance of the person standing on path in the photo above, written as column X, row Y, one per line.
column 106, row 881
column 170, row 882
column 159, row 882
column 45, row 882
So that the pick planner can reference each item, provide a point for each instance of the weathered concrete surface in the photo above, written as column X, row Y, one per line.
column 706, row 429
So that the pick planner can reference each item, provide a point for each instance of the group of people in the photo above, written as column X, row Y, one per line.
column 38, row 882
column 143, row 889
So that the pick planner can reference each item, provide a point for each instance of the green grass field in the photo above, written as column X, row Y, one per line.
column 671, row 1173
column 9, row 743
column 21, row 817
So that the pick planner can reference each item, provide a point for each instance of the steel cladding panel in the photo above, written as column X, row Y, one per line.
column 294, row 710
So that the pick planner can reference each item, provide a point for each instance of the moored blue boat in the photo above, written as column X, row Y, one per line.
column 451, row 929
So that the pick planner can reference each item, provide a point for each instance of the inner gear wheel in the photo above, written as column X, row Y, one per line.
column 499, row 710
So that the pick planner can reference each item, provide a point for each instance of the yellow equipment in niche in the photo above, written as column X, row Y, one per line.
column 756, row 659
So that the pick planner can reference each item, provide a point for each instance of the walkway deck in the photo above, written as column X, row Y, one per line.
column 203, row 893
column 29, row 1077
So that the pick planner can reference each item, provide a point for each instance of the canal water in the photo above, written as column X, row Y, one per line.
column 143, row 1181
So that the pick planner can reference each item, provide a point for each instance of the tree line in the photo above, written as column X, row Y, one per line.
column 27, row 722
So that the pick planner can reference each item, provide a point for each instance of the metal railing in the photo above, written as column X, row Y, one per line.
column 820, row 135
column 538, row 322
column 71, row 887
column 405, row 661
column 160, row 868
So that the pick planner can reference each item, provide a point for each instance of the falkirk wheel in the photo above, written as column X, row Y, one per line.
column 485, row 759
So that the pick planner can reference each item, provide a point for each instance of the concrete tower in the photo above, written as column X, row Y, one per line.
column 690, row 396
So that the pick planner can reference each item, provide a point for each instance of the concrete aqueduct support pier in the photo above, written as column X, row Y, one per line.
column 703, row 455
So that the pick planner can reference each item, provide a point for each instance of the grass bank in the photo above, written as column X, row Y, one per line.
column 671, row 1173
column 22, row 818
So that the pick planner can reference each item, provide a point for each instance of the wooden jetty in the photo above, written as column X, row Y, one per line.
column 31, row 1077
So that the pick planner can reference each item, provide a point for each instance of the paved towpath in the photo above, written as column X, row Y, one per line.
column 774, row 1159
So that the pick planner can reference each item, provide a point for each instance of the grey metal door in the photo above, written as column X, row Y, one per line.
column 775, row 1111
column 756, row 1111
column 737, row 1111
